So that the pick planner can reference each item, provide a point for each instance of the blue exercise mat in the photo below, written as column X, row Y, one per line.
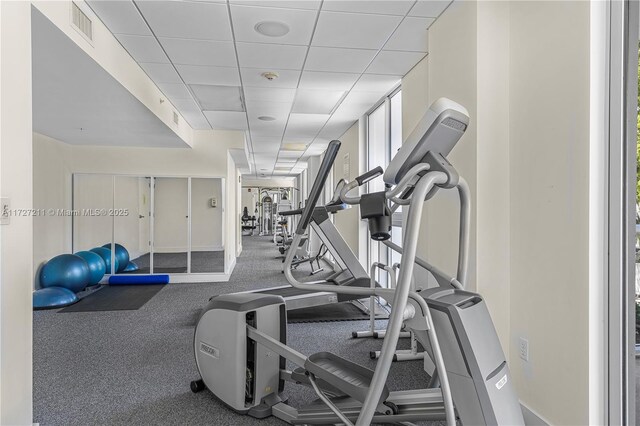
column 138, row 279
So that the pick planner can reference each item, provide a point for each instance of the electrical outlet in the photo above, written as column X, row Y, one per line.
column 524, row 348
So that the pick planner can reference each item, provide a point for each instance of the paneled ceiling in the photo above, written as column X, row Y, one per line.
column 330, row 60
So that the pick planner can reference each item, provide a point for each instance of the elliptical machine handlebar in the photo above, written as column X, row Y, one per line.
column 359, row 181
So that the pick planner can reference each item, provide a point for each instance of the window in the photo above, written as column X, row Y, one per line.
column 384, row 138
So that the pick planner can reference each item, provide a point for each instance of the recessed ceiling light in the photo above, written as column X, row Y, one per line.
column 271, row 28
column 266, row 118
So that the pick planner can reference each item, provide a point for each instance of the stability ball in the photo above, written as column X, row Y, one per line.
column 97, row 267
column 105, row 254
column 131, row 267
column 121, row 254
column 53, row 297
column 66, row 270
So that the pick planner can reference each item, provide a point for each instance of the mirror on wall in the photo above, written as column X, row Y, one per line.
column 170, row 225
column 207, row 239
column 93, row 205
column 132, row 222
column 153, row 225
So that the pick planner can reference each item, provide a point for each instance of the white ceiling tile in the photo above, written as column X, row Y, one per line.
column 257, row 55
column 300, row 23
column 327, row 80
column 411, row 35
column 265, row 94
column 192, row 20
column 221, row 76
column 272, row 109
column 186, row 106
column 218, row 98
column 196, row 120
column 291, row 4
column 231, row 120
column 378, row 83
column 161, row 73
column 394, row 62
column 338, row 60
column 305, row 125
column 283, row 154
column 252, row 77
column 200, row 52
column 262, row 145
column 388, row 7
column 334, row 129
column 354, row 30
column 355, row 104
column 429, row 8
column 121, row 17
column 143, row 48
column 316, row 101
column 267, row 127
column 175, row 90
column 266, row 134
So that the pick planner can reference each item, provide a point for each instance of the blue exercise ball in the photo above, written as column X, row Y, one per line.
column 53, row 297
column 97, row 266
column 105, row 254
column 66, row 270
column 131, row 267
column 121, row 254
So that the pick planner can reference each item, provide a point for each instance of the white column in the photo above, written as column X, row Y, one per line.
column 16, row 238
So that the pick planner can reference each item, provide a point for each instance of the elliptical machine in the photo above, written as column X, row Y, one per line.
column 240, row 339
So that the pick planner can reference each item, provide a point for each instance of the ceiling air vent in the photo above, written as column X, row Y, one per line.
column 175, row 117
column 81, row 21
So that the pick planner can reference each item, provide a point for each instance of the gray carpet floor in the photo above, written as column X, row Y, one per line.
column 174, row 263
column 134, row 367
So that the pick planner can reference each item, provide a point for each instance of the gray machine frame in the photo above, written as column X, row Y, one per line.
column 459, row 337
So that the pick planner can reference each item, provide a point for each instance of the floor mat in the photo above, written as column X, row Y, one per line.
column 115, row 298
column 332, row 312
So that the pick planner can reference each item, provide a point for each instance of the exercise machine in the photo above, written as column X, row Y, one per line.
column 240, row 339
column 348, row 270
column 248, row 223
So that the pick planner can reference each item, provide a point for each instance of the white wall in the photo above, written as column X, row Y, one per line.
column 549, row 174
column 522, row 71
column 347, row 222
column 16, row 183
column 249, row 199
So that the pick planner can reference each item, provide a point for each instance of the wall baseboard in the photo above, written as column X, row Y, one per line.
column 531, row 418
column 231, row 267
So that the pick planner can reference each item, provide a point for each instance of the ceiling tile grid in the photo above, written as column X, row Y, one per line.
column 292, row 74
